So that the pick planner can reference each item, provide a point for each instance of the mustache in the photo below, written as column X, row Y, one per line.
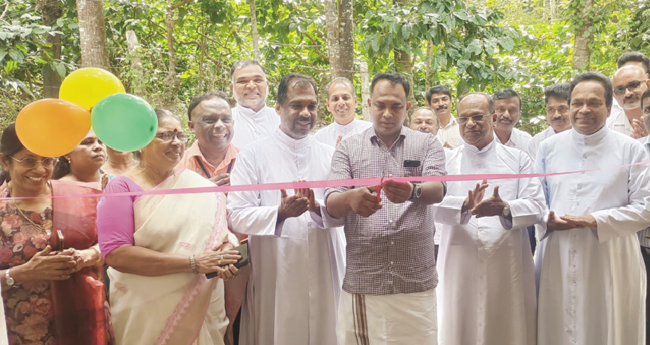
column 441, row 107
column 557, row 119
column 504, row 119
column 631, row 97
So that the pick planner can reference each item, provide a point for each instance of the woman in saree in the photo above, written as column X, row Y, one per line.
column 51, row 288
column 159, row 247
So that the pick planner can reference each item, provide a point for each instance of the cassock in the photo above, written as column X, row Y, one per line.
column 486, row 293
column 297, row 265
column 592, row 282
column 330, row 134
column 250, row 126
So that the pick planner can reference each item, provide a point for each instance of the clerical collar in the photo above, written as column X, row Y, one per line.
column 292, row 142
column 249, row 112
column 589, row 138
column 344, row 128
column 473, row 149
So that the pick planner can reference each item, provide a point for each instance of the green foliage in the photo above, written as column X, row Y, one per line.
column 483, row 45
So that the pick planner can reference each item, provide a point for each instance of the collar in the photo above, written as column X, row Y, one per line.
column 452, row 122
column 375, row 139
column 473, row 149
column 293, row 144
column 589, row 139
column 250, row 112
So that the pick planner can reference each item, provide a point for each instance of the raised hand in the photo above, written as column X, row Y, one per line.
column 474, row 197
column 291, row 206
column 312, row 204
column 492, row 206
column 639, row 130
column 221, row 179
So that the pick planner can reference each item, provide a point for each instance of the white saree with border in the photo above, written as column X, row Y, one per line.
column 174, row 309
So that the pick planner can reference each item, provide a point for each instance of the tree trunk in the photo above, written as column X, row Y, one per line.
column 333, row 48
column 581, row 58
column 365, row 90
column 92, row 34
column 553, row 9
column 346, row 39
column 52, row 11
column 403, row 62
column 137, row 85
column 254, row 34
column 171, row 81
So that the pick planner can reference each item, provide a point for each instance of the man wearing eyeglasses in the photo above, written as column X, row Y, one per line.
column 629, row 83
column 253, row 119
column 557, row 114
column 487, row 278
column 508, row 110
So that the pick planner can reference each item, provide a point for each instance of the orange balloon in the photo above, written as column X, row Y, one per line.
column 52, row 127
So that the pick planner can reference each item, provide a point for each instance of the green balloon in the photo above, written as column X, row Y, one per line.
column 124, row 122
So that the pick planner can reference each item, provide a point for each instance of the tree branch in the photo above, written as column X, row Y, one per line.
column 316, row 50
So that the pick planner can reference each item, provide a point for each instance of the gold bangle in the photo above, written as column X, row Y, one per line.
column 193, row 264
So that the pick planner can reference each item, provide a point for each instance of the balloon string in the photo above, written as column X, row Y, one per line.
column 372, row 181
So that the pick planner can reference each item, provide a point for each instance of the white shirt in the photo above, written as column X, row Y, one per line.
column 330, row 134
column 592, row 281
column 486, row 293
column 250, row 126
column 518, row 139
column 618, row 122
column 533, row 145
column 298, row 265
column 645, row 242
column 450, row 133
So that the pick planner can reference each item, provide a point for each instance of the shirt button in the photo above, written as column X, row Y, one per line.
column 391, row 242
column 391, row 262
column 390, row 175
column 390, row 222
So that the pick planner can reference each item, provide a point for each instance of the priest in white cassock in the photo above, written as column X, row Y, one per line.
column 341, row 102
column 486, row 293
column 556, row 97
column 592, row 284
column 252, row 118
column 297, row 257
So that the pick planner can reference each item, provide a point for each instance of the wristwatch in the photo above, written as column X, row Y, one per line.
column 8, row 279
column 506, row 211
column 417, row 191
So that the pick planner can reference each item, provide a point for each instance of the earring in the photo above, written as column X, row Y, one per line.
column 69, row 160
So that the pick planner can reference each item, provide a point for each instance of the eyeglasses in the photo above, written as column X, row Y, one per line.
column 169, row 136
column 620, row 90
column 476, row 118
column 31, row 162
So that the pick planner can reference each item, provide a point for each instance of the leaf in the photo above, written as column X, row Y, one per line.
column 3, row 53
column 60, row 68
column 16, row 55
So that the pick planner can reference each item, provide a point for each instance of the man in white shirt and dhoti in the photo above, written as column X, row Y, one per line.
column 296, row 256
column 341, row 102
column 592, row 283
column 556, row 98
column 439, row 99
column 252, row 118
column 486, row 293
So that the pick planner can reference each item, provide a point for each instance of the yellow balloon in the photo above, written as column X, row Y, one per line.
column 87, row 86
column 52, row 127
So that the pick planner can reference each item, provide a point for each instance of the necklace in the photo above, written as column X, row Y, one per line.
column 40, row 227
column 147, row 176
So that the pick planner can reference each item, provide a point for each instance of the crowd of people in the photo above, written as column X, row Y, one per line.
column 552, row 260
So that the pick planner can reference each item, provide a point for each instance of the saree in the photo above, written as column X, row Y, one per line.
column 181, row 308
column 79, row 304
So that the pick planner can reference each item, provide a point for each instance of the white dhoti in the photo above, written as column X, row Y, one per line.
column 387, row 319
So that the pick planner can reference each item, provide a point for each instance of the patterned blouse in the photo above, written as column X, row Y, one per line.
column 28, row 307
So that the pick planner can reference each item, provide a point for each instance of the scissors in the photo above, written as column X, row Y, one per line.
column 381, row 182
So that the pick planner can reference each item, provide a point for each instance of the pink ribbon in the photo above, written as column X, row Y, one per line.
column 372, row 181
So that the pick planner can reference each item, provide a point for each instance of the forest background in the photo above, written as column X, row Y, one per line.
column 168, row 51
